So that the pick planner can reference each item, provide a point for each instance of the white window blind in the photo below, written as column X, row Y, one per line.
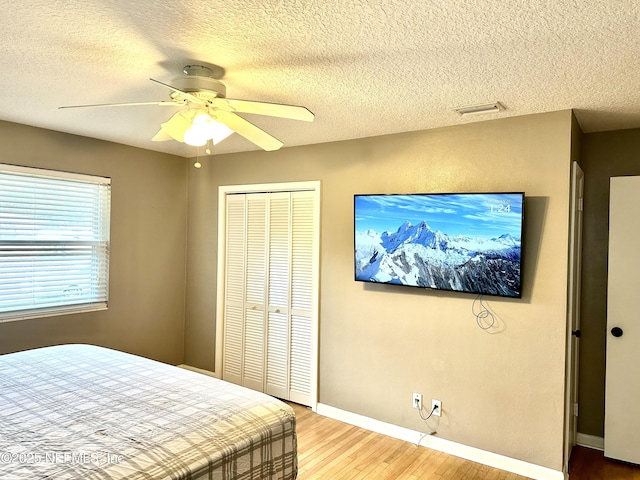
column 54, row 242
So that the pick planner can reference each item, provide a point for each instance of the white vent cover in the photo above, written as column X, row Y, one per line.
column 494, row 107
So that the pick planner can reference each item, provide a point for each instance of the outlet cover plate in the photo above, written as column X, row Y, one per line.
column 438, row 411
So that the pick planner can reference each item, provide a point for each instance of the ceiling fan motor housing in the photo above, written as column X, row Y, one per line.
column 198, row 84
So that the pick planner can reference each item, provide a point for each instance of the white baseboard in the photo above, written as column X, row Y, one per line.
column 490, row 459
column 590, row 441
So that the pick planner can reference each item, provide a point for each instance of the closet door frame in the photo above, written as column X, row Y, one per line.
column 223, row 192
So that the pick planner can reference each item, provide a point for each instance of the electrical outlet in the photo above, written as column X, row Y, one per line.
column 436, row 408
column 416, row 401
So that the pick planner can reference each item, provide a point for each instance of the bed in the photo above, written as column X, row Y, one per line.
column 87, row 412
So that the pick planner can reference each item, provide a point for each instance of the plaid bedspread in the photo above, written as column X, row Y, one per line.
column 86, row 412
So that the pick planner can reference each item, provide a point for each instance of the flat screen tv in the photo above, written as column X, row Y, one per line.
column 464, row 242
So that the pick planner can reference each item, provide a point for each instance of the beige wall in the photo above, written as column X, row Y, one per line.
column 148, row 237
column 501, row 391
column 605, row 155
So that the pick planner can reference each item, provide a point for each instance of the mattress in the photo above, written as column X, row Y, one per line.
column 87, row 412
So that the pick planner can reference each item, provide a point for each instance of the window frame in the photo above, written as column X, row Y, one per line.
column 98, row 281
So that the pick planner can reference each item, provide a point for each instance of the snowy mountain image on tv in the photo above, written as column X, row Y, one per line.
column 463, row 242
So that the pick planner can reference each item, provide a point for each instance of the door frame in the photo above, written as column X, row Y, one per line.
column 225, row 190
column 573, row 313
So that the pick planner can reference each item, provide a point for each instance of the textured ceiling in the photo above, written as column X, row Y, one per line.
column 364, row 68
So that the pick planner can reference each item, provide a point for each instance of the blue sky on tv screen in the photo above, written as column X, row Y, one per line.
column 478, row 215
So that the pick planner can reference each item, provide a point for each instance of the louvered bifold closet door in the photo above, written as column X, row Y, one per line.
column 234, row 288
column 255, row 302
column 245, row 277
column 302, row 295
column 278, row 320
column 269, row 292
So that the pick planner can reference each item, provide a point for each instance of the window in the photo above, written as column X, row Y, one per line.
column 54, row 242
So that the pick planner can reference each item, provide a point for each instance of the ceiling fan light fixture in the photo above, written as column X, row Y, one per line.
column 494, row 107
column 218, row 131
column 204, row 128
column 192, row 138
column 178, row 125
column 197, row 134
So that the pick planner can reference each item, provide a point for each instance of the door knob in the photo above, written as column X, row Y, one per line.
column 616, row 332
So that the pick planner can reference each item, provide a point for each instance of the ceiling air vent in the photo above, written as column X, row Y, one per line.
column 494, row 107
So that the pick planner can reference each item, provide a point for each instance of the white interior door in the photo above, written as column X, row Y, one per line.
column 622, row 392
column 573, row 334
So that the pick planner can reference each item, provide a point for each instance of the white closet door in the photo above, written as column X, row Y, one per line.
column 278, row 323
column 302, row 296
column 234, row 288
column 270, row 293
column 254, row 332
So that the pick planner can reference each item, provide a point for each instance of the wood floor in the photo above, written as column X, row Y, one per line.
column 332, row 450
column 588, row 464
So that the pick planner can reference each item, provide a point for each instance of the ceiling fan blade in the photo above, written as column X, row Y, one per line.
column 166, row 104
column 249, row 131
column 181, row 95
column 292, row 112
column 161, row 136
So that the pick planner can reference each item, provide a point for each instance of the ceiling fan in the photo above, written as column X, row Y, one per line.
column 209, row 116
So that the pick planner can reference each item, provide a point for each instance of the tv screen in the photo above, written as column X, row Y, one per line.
column 464, row 242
